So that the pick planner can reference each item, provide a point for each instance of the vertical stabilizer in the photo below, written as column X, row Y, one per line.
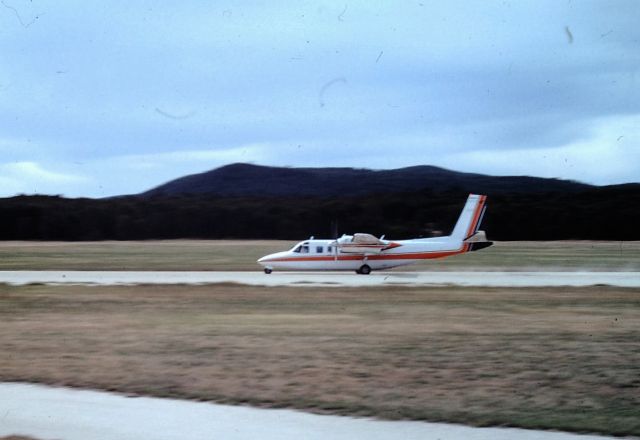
column 470, row 218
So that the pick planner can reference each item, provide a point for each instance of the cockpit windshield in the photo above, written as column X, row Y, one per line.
column 302, row 248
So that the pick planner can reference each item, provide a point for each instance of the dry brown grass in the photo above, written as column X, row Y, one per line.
column 541, row 358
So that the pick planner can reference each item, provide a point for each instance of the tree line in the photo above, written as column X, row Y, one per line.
column 601, row 213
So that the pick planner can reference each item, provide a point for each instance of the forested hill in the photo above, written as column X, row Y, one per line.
column 253, row 180
column 599, row 213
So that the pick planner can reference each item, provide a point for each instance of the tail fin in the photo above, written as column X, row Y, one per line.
column 470, row 218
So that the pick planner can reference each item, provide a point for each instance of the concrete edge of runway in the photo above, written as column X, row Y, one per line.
column 327, row 279
column 76, row 414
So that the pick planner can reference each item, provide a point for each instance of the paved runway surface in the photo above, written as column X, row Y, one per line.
column 67, row 414
column 491, row 279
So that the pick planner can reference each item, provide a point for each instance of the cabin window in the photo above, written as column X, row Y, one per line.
column 329, row 249
column 305, row 249
column 319, row 249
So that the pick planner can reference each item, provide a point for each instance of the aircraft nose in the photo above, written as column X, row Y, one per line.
column 271, row 258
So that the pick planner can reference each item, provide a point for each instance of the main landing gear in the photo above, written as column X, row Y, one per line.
column 365, row 269
column 268, row 270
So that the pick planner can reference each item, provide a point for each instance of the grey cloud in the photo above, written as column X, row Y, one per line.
column 84, row 82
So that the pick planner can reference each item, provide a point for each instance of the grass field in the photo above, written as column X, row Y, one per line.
column 564, row 358
column 242, row 255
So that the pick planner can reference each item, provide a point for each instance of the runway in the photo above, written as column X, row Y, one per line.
column 338, row 279
column 71, row 414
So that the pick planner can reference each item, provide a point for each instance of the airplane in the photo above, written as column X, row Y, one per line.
column 364, row 252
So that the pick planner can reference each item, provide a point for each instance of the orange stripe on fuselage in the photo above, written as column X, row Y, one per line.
column 407, row 256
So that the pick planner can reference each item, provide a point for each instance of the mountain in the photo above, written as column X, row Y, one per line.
column 248, row 201
column 598, row 213
column 258, row 181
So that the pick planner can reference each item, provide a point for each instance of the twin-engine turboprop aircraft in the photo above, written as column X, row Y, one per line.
column 364, row 252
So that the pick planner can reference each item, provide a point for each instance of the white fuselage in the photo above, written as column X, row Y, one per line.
column 325, row 255
column 364, row 252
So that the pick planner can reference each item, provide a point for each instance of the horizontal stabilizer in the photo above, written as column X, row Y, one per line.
column 478, row 241
column 477, row 237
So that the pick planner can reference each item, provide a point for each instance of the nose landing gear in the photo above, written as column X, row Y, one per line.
column 268, row 270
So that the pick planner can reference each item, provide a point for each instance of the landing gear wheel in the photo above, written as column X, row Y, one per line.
column 364, row 270
column 267, row 270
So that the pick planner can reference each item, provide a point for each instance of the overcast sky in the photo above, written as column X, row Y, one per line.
column 107, row 98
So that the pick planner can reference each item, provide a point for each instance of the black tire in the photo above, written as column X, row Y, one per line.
column 364, row 270
column 267, row 270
